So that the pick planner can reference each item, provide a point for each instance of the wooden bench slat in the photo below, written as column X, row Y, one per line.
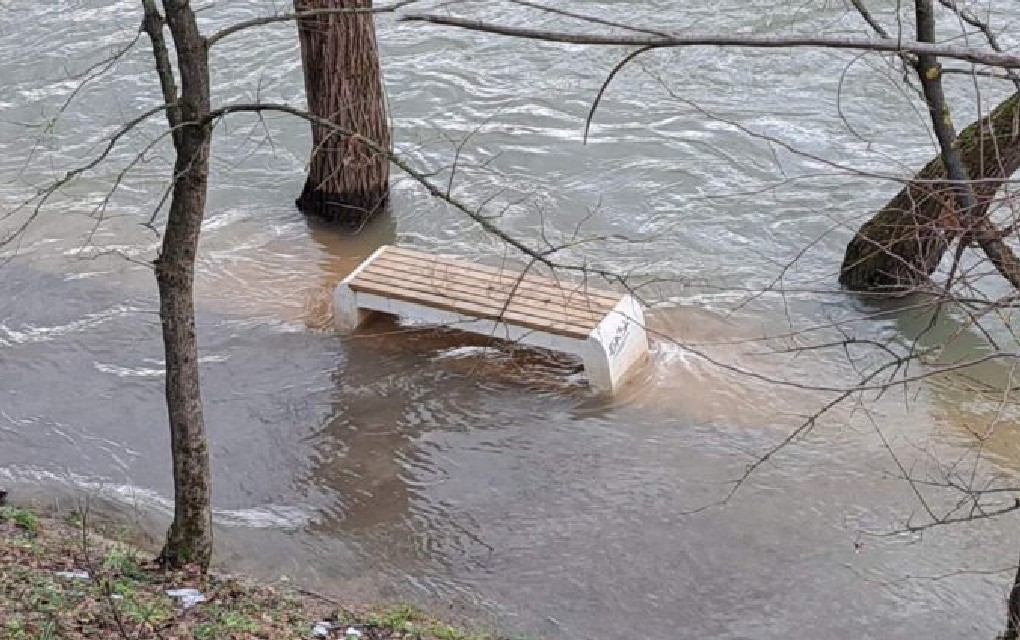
column 459, row 288
column 502, row 284
column 492, row 310
column 477, row 310
column 568, row 294
column 592, row 293
column 456, row 299
column 530, row 277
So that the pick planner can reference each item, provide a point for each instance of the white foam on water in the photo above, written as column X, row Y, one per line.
column 269, row 516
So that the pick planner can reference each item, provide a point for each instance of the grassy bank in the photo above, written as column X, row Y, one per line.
column 64, row 578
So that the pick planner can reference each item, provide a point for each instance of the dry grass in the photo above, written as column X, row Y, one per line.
column 124, row 595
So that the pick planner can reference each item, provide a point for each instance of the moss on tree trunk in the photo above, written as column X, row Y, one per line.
column 902, row 245
column 347, row 182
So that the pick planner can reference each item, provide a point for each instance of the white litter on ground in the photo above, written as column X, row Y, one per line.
column 189, row 597
column 73, row 575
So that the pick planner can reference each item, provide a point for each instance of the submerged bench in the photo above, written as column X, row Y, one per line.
column 605, row 329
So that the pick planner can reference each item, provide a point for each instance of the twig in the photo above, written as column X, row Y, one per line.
column 883, row 45
column 287, row 17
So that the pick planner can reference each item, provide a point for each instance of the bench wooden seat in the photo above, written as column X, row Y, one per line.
column 604, row 328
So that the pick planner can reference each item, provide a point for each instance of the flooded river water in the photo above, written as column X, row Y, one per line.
column 401, row 465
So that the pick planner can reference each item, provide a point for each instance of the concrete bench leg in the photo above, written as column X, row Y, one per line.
column 347, row 315
column 616, row 347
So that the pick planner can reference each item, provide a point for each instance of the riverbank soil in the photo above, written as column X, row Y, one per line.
column 65, row 578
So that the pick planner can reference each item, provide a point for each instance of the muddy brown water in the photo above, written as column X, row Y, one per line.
column 419, row 465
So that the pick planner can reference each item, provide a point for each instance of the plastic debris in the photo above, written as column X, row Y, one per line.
column 189, row 597
column 322, row 629
column 73, row 575
column 352, row 633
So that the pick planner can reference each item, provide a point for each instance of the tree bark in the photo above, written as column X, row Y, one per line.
column 959, row 202
column 902, row 245
column 929, row 71
column 189, row 540
column 347, row 182
column 1013, row 609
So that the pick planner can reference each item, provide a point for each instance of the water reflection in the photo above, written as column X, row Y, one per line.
column 398, row 381
column 340, row 254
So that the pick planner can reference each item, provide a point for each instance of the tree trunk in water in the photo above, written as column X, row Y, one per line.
column 902, row 245
column 1013, row 610
column 347, row 183
column 189, row 540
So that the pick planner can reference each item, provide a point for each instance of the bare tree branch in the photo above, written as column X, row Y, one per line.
column 542, row 256
column 46, row 193
column 883, row 45
column 967, row 16
column 287, row 17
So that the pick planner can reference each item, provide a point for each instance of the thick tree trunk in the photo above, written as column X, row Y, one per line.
column 347, row 182
column 902, row 245
column 189, row 540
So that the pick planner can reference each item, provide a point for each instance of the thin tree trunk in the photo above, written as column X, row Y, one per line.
column 189, row 540
column 347, row 182
column 902, row 245
column 1013, row 610
column 929, row 71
